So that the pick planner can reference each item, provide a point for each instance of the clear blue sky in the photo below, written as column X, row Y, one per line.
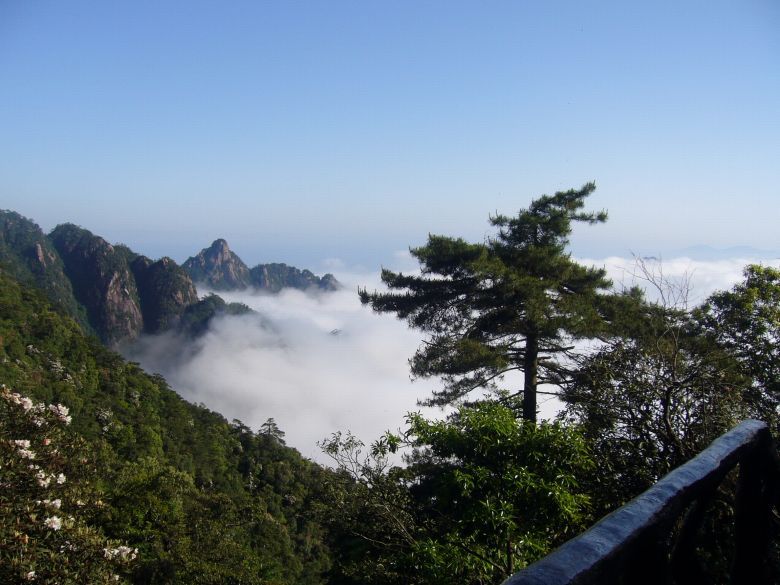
column 306, row 130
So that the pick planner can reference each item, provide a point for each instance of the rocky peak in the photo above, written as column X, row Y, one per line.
column 218, row 267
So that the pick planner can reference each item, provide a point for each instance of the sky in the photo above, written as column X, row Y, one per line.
column 339, row 133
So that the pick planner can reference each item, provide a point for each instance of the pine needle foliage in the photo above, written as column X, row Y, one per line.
column 514, row 302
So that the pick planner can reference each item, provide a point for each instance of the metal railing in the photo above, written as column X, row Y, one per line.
column 653, row 538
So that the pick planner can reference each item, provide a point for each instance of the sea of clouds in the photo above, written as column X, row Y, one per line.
column 321, row 362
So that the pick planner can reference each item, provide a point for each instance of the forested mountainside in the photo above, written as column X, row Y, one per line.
column 119, row 294
column 202, row 499
column 221, row 269
column 27, row 254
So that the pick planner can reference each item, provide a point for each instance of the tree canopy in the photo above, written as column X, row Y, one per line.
column 512, row 303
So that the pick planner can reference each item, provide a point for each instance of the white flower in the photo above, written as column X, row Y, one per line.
column 61, row 411
column 27, row 404
column 56, row 504
column 30, row 576
column 123, row 553
column 43, row 479
column 53, row 522
column 61, row 478
column 23, row 446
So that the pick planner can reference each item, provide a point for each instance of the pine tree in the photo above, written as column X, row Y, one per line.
column 512, row 303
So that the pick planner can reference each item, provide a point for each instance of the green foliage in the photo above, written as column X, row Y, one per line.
column 498, row 491
column 29, row 256
column 483, row 495
column 745, row 322
column 513, row 303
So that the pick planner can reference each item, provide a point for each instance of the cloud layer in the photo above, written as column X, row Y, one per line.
column 319, row 363
column 316, row 363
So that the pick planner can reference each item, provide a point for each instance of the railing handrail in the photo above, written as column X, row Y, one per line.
column 609, row 546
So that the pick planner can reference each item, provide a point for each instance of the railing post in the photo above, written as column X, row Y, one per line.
column 752, row 519
column 652, row 563
column 685, row 566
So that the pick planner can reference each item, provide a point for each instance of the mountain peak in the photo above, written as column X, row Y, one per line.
column 218, row 267
column 220, row 245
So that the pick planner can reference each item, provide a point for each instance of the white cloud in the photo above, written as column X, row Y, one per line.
column 316, row 363
column 704, row 276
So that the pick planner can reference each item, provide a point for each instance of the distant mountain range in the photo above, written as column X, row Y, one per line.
column 221, row 269
column 710, row 253
column 118, row 294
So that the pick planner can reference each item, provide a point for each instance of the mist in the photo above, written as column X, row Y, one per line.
column 315, row 362
column 321, row 362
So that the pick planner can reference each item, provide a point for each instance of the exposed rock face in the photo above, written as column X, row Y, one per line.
column 221, row 269
column 102, row 282
column 165, row 291
column 218, row 267
column 29, row 256
column 275, row 277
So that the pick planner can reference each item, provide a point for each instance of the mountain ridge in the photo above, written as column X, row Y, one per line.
column 118, row 294
column 221, row 269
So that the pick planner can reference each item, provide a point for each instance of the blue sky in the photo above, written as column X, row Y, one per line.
column 301, row 131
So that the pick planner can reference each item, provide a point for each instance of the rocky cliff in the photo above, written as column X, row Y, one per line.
column 274, row 277
column 165, row 290
column 124, row 293
column 102, row 281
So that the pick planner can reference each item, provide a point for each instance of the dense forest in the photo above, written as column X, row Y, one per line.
column 106, row 474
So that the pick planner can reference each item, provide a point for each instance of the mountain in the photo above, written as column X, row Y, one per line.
column 29, row 256
column 124, row 293
column 221, row 269
column 709, row 253
column 275, row 277
column 218, row 267
column 118, row 294
column 102, row 282
column 165, row 290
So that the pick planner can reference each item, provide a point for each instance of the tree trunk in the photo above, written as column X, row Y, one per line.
column 530, row 367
